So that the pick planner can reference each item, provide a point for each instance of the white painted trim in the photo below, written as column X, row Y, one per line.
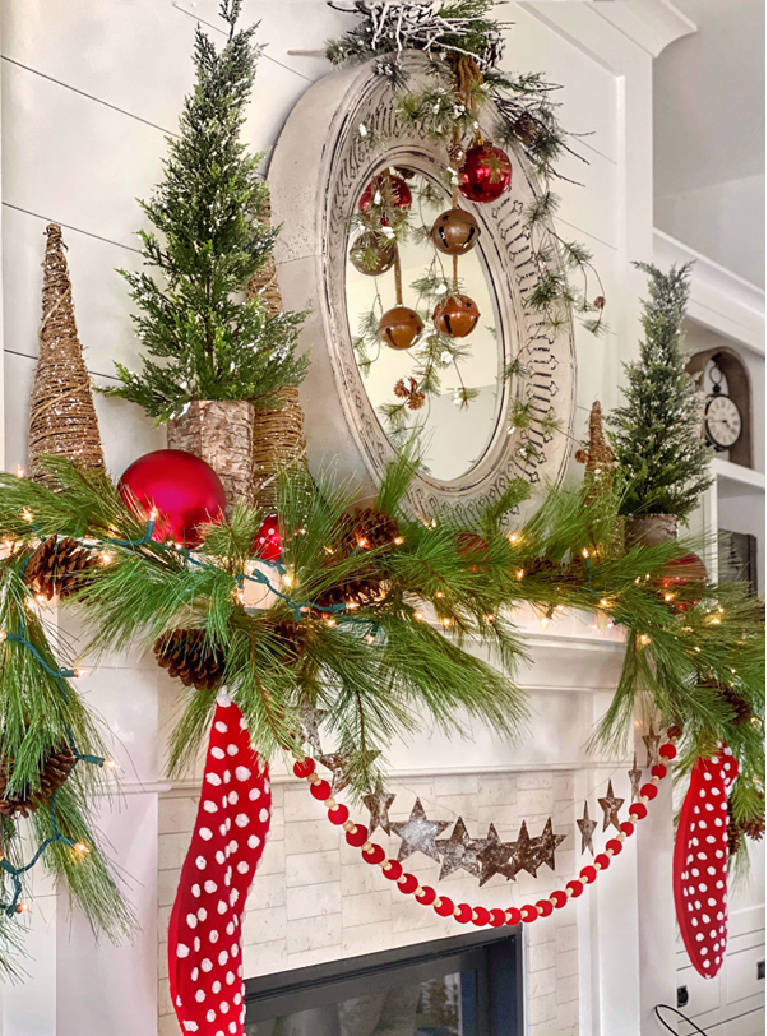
column 653, row 24
column 719, row 299
column 729, row 472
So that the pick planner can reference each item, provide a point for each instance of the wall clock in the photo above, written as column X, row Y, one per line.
column 343, row 136
column 722, row 418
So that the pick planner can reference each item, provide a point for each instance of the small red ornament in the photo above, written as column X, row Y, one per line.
column 677, row 574
column 480, row 915
column 545, row 907
column 576, row 887
column 321, row 791
column 497, row 918
column 513, row 917
column 603, row 860
column 627, row 829
column 485, row 174
column 667, row 752
column 638, row 810
column 185, row 491
column 339, row 815
column 407, row 883
column 529, row 913
column 393, row 870
column 426, row 896
column 560, row 898
column 649, row 790
column 473, row 546
column 444, row 906
column 375, row 195
column 304, row 767
column 462, row 913
column 358, row 836
column 615, row 845
column 700, row 862
column 374, row 855
column 267, row 544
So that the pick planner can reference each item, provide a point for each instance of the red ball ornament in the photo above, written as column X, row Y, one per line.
column 444, row 906
column 659, row 771
column 321, row 791
column 560, row 898
column 603, row 860
column 589, row 873
column 667, row 752
column 529, row 913
column 480, row 916
column 407, row 884
column 267, row 544
column 649, row 790
column 339, row 815
column 513, row 917
column 462, row 913
column 374, row 855
column 545, row 907
column 615, row 845
column 627, row 829
column 392, row 870
column 677, row 574
column 426, row 896
column 358, row 836
column 497, row 918
column 576, row 887
column 375, row 195
column 185, row 491
column 485, row 174
column 638, row 811
column 304, row 767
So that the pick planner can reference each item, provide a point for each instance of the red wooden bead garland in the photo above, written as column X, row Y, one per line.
column 304, row 767
column 481, row 916
column 339, row 815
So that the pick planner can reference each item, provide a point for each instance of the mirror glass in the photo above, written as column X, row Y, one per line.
column 444, row 384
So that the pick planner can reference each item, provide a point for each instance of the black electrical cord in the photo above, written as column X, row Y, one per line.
column 696, row 1028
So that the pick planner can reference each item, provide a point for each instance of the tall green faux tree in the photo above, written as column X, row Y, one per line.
column 207, row 340
column 657, row 437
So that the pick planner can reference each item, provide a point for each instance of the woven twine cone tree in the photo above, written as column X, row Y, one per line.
column 278, row 431
column 62, row 416
column 600, row 463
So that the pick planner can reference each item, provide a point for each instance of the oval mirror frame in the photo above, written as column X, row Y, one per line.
column 320, row 165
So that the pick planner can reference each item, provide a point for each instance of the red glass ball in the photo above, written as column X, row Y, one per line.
column 401, row 196
column 184, row 489
column 514, row 917
column 667, row 752
column 659, row 771
column 649, row 790
column 267, row 544
column 304, row 767
column 680, row 572
column 358, row 836
column 485, row 173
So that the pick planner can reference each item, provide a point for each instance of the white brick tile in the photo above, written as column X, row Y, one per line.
column 367, row 938
column 408, row 916
column 456, row 785
column 534, row 802
column 567, row 938
column 543, row 983
column 164, row 1002
column 450, row 807
column 171, row 850
column 533, row 781
column 273, row 860
column 313, row 900
column 177, row 813
column 505, row 818
column 162, row 961
column 299, row 805
column 308, row 836
column 264, row 958
column 268, row 891
column 360, row 877
column 167, row 1025
column 567, row 963
column 263, row 925
column 366, row 908
column 306, row 958
column 327, row 931
column 541, row 956
column 567, row 1018
column 543, row 1011
column 277, row 825
column 496, row 791
column 313, row 868
column 167, row 883
column 567, row 989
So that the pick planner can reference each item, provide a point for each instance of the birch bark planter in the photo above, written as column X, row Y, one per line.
column 649, row 530
column 220, row 432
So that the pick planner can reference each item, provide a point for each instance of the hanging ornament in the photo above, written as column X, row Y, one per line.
column 485, row 173
column 455, row 232
column 378, row 805
column 373, row 254
column 525, row 129
column 610, row 804
column 400, row 327
column 457, row 315
column 678, row 573
column 635, row 776
column 384, row 190
column 473, row 546
column 59, row 567
column 204, row 934
column 494, row 858
column 587, row 826
column 193, row 657
column 54, row 769
column 700, row 862
column 267, row 544
column 460, row 852
column 414, row 398
column 185, row 490
column 652, row 742
column 548, row 842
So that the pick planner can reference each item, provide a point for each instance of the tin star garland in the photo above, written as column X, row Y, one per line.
column 378, row 805
column 460, row 852
column 610, row 804
column 651, row 741
column 635, row 776
column 419, row 834
column 587, row 827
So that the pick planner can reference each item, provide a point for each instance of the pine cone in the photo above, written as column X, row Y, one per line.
column 526, row 129
column 291, row 635
column 360, row 591
column 367, row 528
column 754, row 827
column 59, row 567
column 738, row 704
column 190, row 655
column 53, row 773
column 734, row 833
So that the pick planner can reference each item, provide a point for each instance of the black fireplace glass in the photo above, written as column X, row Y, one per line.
column 466, row 986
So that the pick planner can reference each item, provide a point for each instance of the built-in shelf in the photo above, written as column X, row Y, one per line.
column 726, row 471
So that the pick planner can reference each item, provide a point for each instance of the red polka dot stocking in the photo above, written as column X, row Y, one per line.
column 204, row 934
column 700, row 862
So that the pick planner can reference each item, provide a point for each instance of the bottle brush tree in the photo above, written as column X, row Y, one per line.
column 205, row 339
column 656, row 436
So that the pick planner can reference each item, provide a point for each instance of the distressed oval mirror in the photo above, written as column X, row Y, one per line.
column 342, row 136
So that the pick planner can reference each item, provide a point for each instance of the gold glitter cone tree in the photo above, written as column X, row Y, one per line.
column 62, row 416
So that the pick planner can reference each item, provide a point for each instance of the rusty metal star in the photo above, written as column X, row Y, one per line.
column 494, row 858
column 378, row 805
column 547, row 845
column 460, row 852
column 587, row 826
column 311, row 720
column 652, row 742
column 524, row 856
column 418, row 833
column 610, row 805
column 338, row 764
column 635, row 776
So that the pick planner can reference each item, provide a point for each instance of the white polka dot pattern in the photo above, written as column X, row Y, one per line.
column 202, row 982
column 700, row 850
